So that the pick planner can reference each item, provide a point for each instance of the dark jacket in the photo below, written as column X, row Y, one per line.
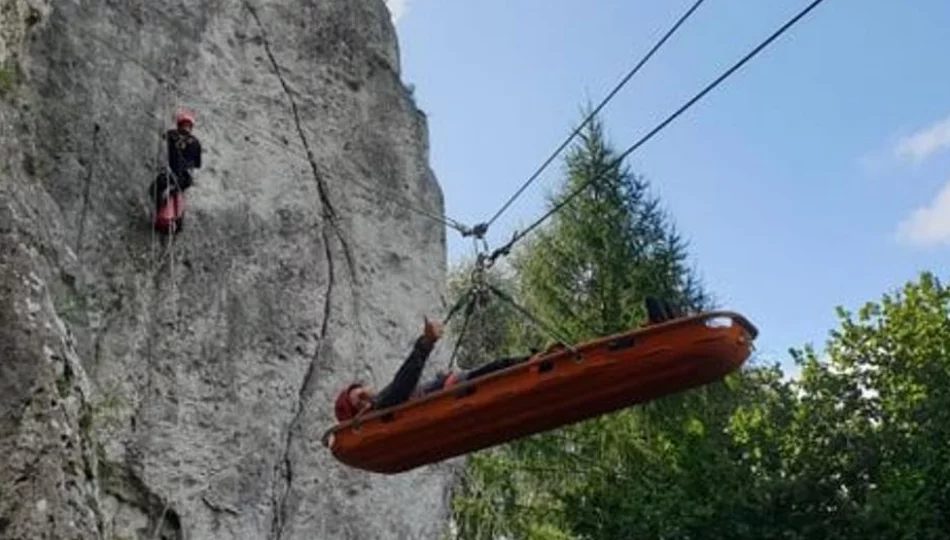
column 445, row 379
column 184, row 153
column 407, row 377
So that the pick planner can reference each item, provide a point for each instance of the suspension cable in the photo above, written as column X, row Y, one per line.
column 506, row 248
column 553, row 333
column 462, row 300
column 469, row 310
column 593, row 113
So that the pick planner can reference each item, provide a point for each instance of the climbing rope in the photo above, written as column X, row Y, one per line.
column 549, row 329
column 593, row 113
column 480, row 291
column 171, row 180
column 462, row 301
column 178, row 389
column 176, row 327
column 161, row 165
column 469, row 309
column 506, row 248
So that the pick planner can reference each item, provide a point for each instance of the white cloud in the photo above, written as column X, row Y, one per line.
column 928, row 225
column 875, row 163
column 921, row 145
column 397, row 8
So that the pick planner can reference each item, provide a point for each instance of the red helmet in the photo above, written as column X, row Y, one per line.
column 343, row 408
column 185, row 116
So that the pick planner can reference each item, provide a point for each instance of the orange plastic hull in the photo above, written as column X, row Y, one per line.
column 551, row 390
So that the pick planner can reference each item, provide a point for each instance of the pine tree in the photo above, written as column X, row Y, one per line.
column 603, row 253
column 587, row 271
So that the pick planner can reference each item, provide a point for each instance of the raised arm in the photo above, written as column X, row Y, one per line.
column 406, row 379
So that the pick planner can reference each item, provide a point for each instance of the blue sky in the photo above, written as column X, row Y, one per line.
column 818, row 175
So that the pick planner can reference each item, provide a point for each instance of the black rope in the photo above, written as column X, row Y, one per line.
column 548, row 329
column 444, row 220
column 591, row 116
column 458, row 305
column 505, row 249
column 458, row 344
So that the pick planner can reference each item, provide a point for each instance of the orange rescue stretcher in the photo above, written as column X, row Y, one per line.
column 552, row 389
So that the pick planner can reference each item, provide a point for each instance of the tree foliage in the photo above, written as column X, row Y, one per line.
column 857, row 446
column 601, row 254
column 587, row 272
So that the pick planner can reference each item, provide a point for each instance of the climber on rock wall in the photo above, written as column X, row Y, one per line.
column 184, row 150
column 184, row 154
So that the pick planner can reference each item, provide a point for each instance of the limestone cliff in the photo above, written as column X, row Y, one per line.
column 153, row 390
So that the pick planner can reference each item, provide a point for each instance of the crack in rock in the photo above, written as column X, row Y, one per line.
column 218, row 507
column 284, row 467
column 86, row 187
column 328, row 209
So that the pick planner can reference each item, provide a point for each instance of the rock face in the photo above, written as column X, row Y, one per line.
column 179, row 390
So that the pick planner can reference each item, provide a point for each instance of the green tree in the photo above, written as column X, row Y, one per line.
column 587, row 272
column 603, row 253
column 857, row 447
column 868, row 451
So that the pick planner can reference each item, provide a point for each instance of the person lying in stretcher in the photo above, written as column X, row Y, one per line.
column 358, row 397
